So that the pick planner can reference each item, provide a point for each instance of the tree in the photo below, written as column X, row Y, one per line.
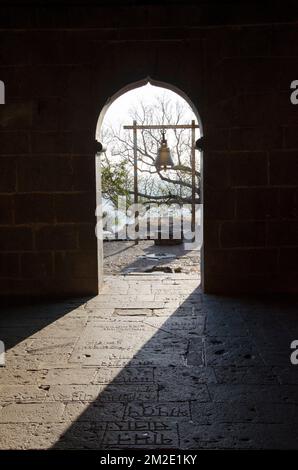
column 115, row 181
column 167, row 187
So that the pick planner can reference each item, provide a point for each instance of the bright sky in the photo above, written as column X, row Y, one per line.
column 117, row 112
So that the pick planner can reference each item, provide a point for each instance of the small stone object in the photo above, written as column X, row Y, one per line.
column 159, row 256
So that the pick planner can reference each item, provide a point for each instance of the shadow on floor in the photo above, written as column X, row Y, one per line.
column 212, row 373
column 23, row 318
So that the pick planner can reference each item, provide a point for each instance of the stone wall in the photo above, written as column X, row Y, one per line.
column 60, row 65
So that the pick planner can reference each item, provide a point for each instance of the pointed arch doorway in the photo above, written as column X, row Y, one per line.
column 100, row 122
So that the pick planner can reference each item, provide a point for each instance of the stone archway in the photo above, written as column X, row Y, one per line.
column 112, row 99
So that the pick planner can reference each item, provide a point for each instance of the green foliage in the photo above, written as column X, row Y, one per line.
column 115, row 182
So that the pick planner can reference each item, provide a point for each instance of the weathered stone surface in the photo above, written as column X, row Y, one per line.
column 32, row 413
column 69, row 376
column 228, row 351
column 233, row 436
column 63, row 329
column 128, row 375
column 68, row 393
column 124, row 302
column 101, row 313
column 182, row 326
column 148, row 434
column 101, row 393
column 210, row 413
column 133, row 311
column 24, row 436
column 286, row 375
column 96, row 412
column 225, row 325
column 82, row 436
column 184, row 391
column 17, row 376
column 189, row 376
column 50, row 346
column 21, row 393
column 254, row 393
column 144, row 411
column 211, row 374
column 246, row 375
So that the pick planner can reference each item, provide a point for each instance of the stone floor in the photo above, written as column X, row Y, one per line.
column 149, row 363
column 124, row 257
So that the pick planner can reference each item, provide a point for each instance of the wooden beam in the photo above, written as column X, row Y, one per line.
column 193, row 179
column 136, row 189
column 163, row 126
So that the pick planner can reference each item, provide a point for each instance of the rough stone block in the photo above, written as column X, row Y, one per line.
column 218, row 138
column 291, row 137
column 282, row 38
column 32, row 413
column 254, row 203
column 83, row 172
column 288, row 203
column 243, row 262
column 14, row 143
column 249, row 169
column 8, row 174
column 288, row 261
column 36, row 265
column 51, row 142
column 48, row 113
column 44, row 173
column 16, row 238
column 34, row 208
column 255, row 109
column 161, row 410
column 21, row 394
column 77, row 265
column 285, row 112
column 256, row 138
column 16, row 116
column 87, row 237
column 283, row 168
column 70, row 376
column 96, row 412
column 9, row 265
column 283, row 233
column 152, row 434
column 6, row 209
column 56, row 237
column 243, row 233
column 219, row 204
column 217, row 170
column 79, row 207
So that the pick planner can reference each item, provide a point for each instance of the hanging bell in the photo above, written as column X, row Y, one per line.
column 163, row 160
